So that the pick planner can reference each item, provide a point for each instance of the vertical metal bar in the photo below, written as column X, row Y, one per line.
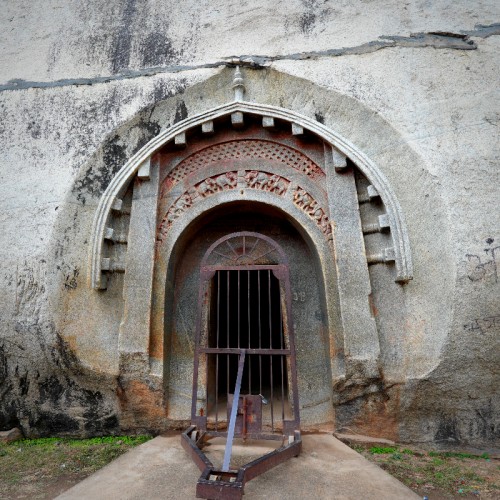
column 207, row 370
column 282, row 390
column 234, row 409
column 260, row 332
column 218, row 309
column 239, row 308
column 217, row 356
column 270, row 345
column 281, row 357
column 270, row 308
column 227, row 334
column 249, row 332
column 281, row 317
column 272, row 395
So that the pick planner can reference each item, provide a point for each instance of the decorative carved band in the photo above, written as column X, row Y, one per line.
column 252, row 179
column 217, row 183
column 242, row 149
column 267, row 182
column 311, row 207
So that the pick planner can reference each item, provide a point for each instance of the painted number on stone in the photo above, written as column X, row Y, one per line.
column 299, row 296
column 483, row 325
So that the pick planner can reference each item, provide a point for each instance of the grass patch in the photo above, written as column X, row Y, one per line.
column 31, row 467
column 438, row 474
column 377, row 450
column 458, row 454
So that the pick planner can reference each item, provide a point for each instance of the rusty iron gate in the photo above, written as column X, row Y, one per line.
column 245, row 377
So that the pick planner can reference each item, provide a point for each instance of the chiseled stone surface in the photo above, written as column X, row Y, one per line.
column 84, row 86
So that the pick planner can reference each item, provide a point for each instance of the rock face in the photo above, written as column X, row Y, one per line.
column 10, row 435
column 363, row 139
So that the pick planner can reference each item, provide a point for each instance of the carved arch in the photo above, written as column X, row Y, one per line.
column 341, row 149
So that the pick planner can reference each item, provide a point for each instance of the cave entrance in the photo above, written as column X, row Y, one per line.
column 247, row 313
column 245, row 305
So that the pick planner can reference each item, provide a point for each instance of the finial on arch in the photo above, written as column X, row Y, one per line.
column 238, row 85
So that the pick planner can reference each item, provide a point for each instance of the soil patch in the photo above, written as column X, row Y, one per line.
column 44, row 468
column 438, row 475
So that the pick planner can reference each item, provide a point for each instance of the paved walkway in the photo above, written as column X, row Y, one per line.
column 160, row 469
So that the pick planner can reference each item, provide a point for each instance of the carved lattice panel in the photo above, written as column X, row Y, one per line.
column 243, row 149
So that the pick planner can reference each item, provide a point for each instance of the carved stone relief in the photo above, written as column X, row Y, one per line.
column 268, row 182
column 311, row 207
column 221, row 182
column 252, row 179
column 243, row 149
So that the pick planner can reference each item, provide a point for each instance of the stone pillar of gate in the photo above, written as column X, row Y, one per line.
column 361, row 343
column 138, row 283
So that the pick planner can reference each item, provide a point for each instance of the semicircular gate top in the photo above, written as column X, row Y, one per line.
column 244, row 248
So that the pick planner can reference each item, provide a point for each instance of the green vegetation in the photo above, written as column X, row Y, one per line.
column 459, row 454
column 32, row 466
column 377, row 450
column 444, row 474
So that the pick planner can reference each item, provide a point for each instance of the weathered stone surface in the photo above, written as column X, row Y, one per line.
column 84, row 87
column 360, row 439
column 11, row 435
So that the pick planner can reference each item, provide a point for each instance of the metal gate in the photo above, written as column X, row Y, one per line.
column 244, row 303
column 245, row 377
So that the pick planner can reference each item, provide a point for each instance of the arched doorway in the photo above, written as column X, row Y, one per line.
column 217, row 303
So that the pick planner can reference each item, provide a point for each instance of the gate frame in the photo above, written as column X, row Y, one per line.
column 281, row 272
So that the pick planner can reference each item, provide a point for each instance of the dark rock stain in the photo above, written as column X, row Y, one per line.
column 319, row 117
column 307, row 21
column 120, row 53
column 3, row 366
column 97, row 425
column 485, row 422
column 149, row 129
column 158, row 50
column 311, row 15
column 447, row 431
column 115, row 153
column 48, row 423
column 95, row 181
column 181, row 112
column 34, row 129
column 161, row 91
column 70, row 282
column 63, row 356
column 51, row 390
column 114, row 156
column 24, row 384
column 42, row 397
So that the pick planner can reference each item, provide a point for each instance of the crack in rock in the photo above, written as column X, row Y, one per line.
column 433, row 39
column 484, row 30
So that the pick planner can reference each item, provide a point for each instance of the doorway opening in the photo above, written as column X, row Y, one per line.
column 244, row 338
column 246, row 312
